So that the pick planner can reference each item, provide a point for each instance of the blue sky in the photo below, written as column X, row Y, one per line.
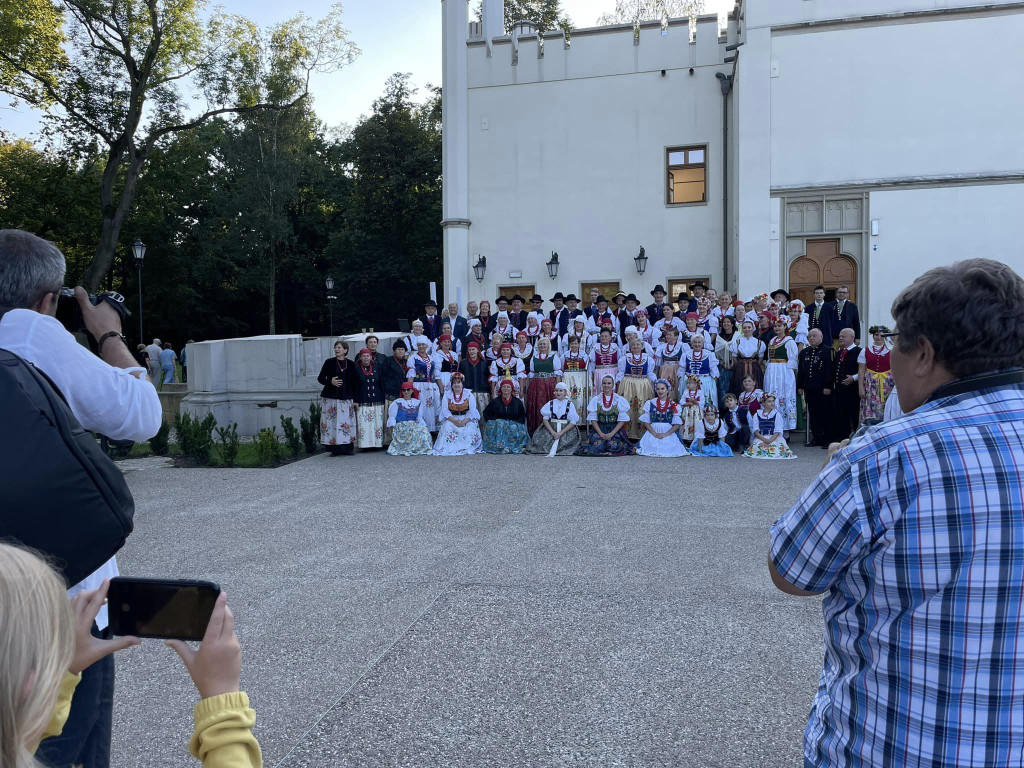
column 394, row 35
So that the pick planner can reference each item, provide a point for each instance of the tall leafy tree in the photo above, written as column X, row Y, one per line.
column 111, row 74
column 546, row 14
column 635, row 11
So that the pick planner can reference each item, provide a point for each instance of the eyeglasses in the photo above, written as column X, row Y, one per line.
column 890, row 335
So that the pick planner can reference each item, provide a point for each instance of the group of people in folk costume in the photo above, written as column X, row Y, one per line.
column 721, row 377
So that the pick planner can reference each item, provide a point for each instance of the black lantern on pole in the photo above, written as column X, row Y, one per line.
column 553, row 266
column 330, row 301
column 641, row 261
column 139, row 251
column 480, row 267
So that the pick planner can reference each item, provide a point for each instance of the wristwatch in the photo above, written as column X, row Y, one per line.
column 107, row 335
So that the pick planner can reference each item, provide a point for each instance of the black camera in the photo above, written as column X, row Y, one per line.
column 69, row 313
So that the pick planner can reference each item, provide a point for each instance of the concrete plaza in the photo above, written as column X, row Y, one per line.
column 484, row 611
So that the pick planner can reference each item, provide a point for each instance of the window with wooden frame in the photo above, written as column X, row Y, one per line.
column 687, row 174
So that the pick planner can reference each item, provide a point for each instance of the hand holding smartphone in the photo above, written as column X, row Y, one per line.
column 163, row 608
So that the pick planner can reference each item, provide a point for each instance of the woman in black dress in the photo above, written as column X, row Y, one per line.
column 392, row 373
column 338, row 417
column 476, row 375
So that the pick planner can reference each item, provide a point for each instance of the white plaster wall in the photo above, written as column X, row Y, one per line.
column 761, row 13
column 923, row 228
column 892, row 101
column 578, row 166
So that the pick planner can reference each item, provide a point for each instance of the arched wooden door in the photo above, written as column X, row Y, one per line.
column 822, row 264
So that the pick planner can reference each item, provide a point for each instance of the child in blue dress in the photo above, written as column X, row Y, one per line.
column 709, row 435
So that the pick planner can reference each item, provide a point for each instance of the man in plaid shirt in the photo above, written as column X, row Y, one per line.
column 915, row 530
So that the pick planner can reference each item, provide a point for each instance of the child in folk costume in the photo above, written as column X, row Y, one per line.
column 797, row 324
column 735, row 417
column 749, row 398
column 705, row 320
column 369, row 397
column 700, row 361
column 576, row 376
column 780, row 375
column 875, row 377
column 669, row 355
column 505, row 417
column 645, row 329
column 459, row 434
column 747, row 354
column 691, row 408
column 545, row 372
column 476, row 376
column 523, row 350
column 607, row 414
column 421, row 371
column 604, row 359
column 446, row 362
column 709, row 438
column 558, row 426
column 636, row 384
column 578, row 329
column 766, row 440
column 507, row 367
column 661, row 421
column 409, row 436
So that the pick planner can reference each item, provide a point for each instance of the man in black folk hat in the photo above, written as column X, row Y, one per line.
column 516, row 315
column 536, row 307
column 602, row 314
column 697, row 290
column 559, row 316
column 627, row 315
column 655, row 311
column 685, row 303
column 572, row 305
column 431, row 320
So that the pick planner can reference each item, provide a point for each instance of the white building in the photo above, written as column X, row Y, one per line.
column 849, row 142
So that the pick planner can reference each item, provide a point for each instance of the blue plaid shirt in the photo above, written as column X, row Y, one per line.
column 917, row 528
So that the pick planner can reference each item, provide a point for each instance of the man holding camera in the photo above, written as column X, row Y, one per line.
column 109, row 395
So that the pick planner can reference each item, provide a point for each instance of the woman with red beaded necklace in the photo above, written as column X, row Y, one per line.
column 875, row 377
column 575, row 375
column 459, row 434
column 446, row 362
column 636, row 383
column 421, row 372
column 661, row 420
column 607, row 414
column 506, row 367
column 557, row 434
column 545, row 372
column 780, row 375
column 604, row 359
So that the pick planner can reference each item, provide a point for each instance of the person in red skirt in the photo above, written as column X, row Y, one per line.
column 545, row 373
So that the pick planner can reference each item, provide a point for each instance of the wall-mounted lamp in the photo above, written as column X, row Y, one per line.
column 553, row 266
column 641, row 261
column 480, row 267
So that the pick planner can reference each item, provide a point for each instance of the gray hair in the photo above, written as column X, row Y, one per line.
column 970, row 311
column 30, row 267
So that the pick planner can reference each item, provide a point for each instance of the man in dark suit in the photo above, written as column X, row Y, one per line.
column 845, row 391
column 516, row 315
column 686, row 303
column 627, row 315
column 460, row 325
column 843, row 313
column 818, row 316
column 431, row 321
column 572, row 305
column 814, row 381
column 559, row 316
column 591, row 309
column 654, row 311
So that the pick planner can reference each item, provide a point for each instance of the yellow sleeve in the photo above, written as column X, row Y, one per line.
column 62, row 708
column 223, row 736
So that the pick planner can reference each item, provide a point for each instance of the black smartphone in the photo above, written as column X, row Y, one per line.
column 167, row 608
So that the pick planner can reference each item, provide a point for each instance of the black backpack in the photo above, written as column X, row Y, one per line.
column 59, row 493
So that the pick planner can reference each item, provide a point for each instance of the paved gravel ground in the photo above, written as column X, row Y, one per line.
column 485, row 611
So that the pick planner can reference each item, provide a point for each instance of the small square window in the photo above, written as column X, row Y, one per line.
column 687, row 175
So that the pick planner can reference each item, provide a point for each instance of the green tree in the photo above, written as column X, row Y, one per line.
column 546, row 14
column 636, row 11
column 109, row 73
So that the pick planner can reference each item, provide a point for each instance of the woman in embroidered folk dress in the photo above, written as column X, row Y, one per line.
column 456, row 344
column 413, row 339
column 476, row 334
column 797, row 324
column 494, row 351
column 691, row 329
column 369, row 399
column 409, row 434
column 546, row 332
column 875, row 380
column 669, row 356
column 766, row 440
column 747, row 352
column 700, row 361
column 749, row 401
column 576, row 376
column 393, row 373
column 707, row 321
column 503, row 327
column 459, row 434
column 421, row 372
column 506, row 367
column 661, row 421
column 545, row 373
column 578, row 329
column 487, row 320
column 631, row 333
column 338, row 416
column 636, row 384
column 560, row 420
column 505, row 427
column 691, row 408
column 604, row 359
column 645, row 329
column 607, row 413
column 476, row 376
column 523, row 350
column 780, row 377
column 709, row 438
column 726, row 333
column 532, row 329
column 446, row 362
